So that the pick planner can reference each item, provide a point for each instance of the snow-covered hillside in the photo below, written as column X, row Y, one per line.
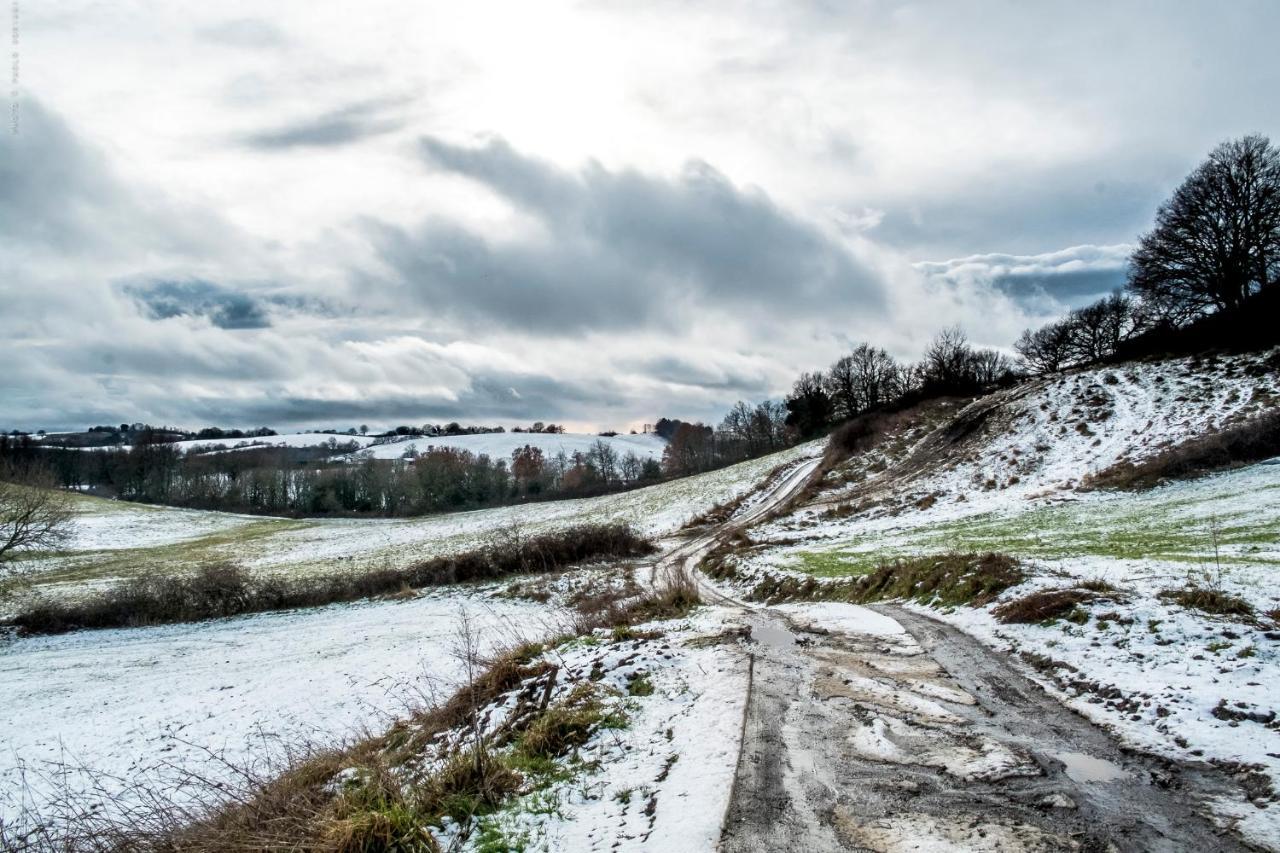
column 500, row 445
column 1006, row 474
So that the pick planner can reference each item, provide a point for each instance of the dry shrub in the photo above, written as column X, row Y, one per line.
column 945, row 579
column 566, row 725
column 1042, row 606
column 1253, row 440
column 223, row 589
column 942, row 579
column 1208, row 600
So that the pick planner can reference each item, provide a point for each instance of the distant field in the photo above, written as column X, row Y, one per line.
column 115, row 539
column 497, row 445
column 500, row 445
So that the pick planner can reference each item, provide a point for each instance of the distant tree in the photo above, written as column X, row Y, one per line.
column 691, row 449
column 1046, row 349
column 32, row 515
column 1097, row 330
column 841, row 384
column 948, row 362
column 809, row 406
column 1217, row 240
column 527, row 464
column 991, row 366
column 364, row 429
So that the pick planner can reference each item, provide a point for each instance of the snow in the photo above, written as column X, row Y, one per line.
column 500, row 445
column 297, row 439
column 141, row 538
column 128, row 704
column 664, row 780
column 844, row 619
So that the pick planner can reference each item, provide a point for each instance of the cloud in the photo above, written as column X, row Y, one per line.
column 342, row 126
column 252, row 33
column 620, row 249
column 1071, row 277
column 224, row 307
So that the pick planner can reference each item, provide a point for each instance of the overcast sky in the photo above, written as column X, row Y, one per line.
column 305, row 214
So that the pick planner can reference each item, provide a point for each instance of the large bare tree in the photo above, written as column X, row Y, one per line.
column 1217, row 240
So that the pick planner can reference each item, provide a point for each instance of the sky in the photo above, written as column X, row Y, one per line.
column 304, row 214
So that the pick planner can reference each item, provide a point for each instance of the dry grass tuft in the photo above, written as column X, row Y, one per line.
column 1042, row 606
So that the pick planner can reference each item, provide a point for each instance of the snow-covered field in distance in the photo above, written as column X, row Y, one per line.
column 500, row 445
column 495, row 445
column 116, row 539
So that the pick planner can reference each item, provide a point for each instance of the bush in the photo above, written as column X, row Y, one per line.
column 1207, row 600
column 942, row 579
column 1255, row 439
column 1042, row 606
column 222, row 589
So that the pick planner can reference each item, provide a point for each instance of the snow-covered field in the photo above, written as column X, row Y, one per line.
column 295, row 439
column 500, row 445
column 495, row 445
column 115, row 539
column 150, row 704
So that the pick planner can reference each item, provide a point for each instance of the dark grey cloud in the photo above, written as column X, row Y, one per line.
column 51, row 187
column 1025, row 212
column 342, row 126
column 224, row 307
column 620, row 248
column 702, row 374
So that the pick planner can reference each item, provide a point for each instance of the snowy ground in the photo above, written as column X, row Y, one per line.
column 115, row 539
column 663, row 781
column 154, row 702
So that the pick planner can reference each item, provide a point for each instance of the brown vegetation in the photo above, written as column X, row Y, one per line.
column 222, row 589
column 1042, row 606
column 1250, row 441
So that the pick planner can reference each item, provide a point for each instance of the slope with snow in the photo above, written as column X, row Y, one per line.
column 1005, row 475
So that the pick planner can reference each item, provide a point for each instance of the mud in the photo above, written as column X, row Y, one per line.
column 931, row 741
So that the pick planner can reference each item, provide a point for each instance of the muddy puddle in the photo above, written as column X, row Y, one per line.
column 770, row 633
column 1081, row 767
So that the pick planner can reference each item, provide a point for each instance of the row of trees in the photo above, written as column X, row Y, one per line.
column 868, row 379
column 1215, row 248
column 306, row 481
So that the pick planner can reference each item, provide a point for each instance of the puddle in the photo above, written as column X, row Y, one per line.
column 771, row 634
column 1082, row 767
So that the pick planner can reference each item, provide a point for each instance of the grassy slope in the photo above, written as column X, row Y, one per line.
column 116, row 539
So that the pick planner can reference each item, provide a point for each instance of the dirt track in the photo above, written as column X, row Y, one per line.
column 929, row 740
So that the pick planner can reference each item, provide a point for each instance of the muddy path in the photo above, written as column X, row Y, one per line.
column 899, row 732
column 927, row 740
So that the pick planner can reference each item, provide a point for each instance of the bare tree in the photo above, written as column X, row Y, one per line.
column 1096, row 331
column 1046, row 349
column 990, row 366
column 841, row 385
column 948, row 361
column 1217, row 240
column 32, row 515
